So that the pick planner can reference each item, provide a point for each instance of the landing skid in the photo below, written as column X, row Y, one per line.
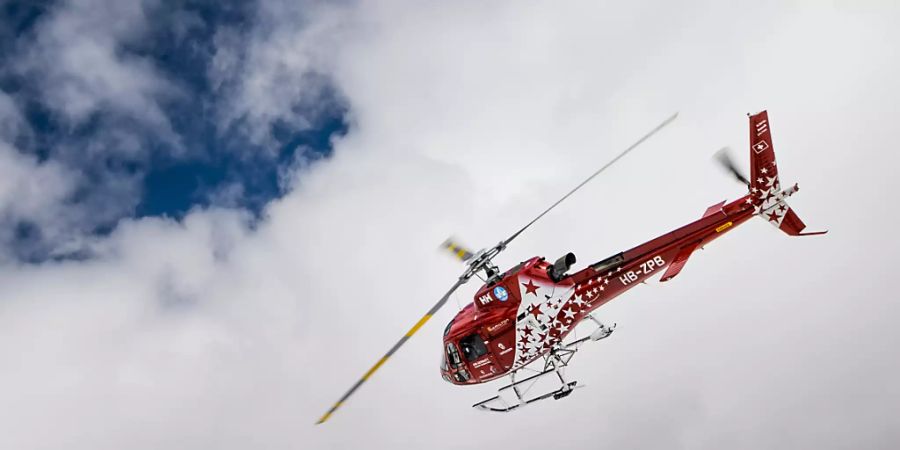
column 554, row 363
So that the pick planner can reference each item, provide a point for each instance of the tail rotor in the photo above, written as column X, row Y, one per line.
column 723, row 157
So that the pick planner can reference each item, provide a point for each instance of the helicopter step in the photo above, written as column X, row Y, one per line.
column 554, row 363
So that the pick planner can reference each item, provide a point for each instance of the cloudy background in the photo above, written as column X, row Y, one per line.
column 216, row 217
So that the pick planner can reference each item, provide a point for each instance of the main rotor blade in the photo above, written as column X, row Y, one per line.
column 434, row 309
column 457, row 250
column 620, row 155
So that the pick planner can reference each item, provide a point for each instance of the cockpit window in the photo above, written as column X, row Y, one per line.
column 473, row 347
column 447, row 330
column 453, row 354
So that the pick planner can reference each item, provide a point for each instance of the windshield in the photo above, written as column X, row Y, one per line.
column 473, row 347
column 453, row 354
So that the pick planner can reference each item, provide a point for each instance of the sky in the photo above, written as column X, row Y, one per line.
column 217, row 215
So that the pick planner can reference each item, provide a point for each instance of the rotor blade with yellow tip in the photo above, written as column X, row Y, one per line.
column 434, row 309
column 459, row 251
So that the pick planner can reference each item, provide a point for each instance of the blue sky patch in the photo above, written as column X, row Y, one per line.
column 126, row 167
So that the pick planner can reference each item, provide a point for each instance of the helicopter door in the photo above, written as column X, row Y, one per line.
column 473, row 347
column 480, row 359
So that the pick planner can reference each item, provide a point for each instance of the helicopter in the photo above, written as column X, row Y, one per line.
column 519, row 319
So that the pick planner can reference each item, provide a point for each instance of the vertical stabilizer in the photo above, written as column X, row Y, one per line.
column 765, row 187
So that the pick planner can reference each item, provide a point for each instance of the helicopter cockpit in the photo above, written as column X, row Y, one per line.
column 453, row 363
column 456, row 369
column 458, row 353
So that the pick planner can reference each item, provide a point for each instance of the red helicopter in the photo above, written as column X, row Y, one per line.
column 522, row 316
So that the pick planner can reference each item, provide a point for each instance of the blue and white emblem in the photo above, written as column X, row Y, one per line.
column 501, row 293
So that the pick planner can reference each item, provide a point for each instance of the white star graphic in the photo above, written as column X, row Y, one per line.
column 749, row 201
column 605, row 281
column 569, row 313
column 578, row 301
column 562, row 328
column 759, row 180
column 764, row 170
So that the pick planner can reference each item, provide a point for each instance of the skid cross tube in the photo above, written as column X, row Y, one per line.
column 554, row 362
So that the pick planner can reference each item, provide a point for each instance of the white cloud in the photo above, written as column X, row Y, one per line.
column 77, row 59
column 33, row 192
column 277, row 72
column 469, row 119
column 10, row 120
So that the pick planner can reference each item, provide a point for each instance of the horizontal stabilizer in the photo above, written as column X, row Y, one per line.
column 792, row 225
column 680, row 259
column 714, row 209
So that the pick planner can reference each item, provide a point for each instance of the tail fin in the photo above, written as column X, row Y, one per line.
column 765, row 188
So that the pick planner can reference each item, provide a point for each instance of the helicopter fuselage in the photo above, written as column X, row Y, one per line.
column 528, row 311
column 524, row 313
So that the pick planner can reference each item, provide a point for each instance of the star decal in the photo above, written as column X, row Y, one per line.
column 764, row 170
column 534, row 310
column 530, row 288
column 773, row 216
column 569, row 313
column 578, row 301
